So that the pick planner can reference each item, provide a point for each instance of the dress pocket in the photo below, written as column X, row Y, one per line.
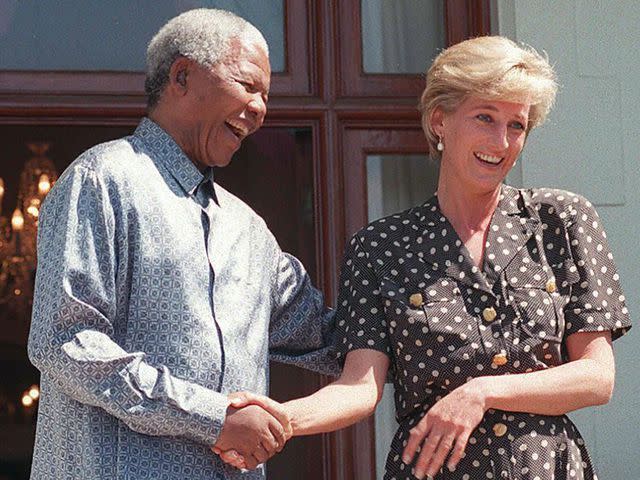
column 539, row 295
column 430, row 328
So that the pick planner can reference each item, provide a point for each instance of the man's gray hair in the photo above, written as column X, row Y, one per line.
column 203, row 35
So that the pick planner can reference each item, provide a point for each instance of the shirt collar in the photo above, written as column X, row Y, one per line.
column 165, row 151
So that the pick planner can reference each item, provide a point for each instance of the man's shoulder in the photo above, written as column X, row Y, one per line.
column 108, row 157
column 112, row 162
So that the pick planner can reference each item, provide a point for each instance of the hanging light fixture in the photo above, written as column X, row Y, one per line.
column 18, row 236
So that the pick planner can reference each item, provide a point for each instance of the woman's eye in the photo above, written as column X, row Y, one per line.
column 483, row 117
column 518, row 125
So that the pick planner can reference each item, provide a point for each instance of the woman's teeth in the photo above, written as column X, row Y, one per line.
column 489, row 158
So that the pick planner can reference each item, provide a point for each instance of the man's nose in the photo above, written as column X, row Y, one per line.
column 258, row 107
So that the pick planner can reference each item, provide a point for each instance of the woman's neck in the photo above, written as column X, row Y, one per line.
column 469, row 212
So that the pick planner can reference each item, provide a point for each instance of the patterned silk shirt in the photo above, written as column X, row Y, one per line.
column 157, row 294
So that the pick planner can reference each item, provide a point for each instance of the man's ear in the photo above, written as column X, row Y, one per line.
column 179, row 75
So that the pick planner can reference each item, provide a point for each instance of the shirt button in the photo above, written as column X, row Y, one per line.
column 489, row 314
column 499, row 429
column 551, row 286
column 416, row 300
column 499, row 359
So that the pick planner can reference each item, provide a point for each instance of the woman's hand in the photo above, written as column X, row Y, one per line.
column 445, row 428
column 243, row 399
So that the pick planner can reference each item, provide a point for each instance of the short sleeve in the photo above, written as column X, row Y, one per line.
column 360, row 317
column 597, row 302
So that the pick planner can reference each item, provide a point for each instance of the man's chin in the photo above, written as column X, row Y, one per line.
column 221, row 162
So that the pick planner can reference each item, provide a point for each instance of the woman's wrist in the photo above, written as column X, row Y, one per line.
column 485, row 389
column 293, row 417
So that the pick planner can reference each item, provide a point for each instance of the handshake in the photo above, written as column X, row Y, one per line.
column 255, row 429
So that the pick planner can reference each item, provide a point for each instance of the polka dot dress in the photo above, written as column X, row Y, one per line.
column 410, row 289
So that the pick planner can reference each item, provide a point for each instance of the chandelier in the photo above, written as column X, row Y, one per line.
column 18, row 235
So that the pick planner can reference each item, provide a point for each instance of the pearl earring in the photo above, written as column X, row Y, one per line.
column 440, row 145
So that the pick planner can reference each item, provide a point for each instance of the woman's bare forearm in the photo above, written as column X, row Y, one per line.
column 586, row 381
column 349, row 399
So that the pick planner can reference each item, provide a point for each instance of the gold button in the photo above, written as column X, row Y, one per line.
column 489, row 314
column 551, row 286
column 499, row 359
column 416, row 300
column 499, row 429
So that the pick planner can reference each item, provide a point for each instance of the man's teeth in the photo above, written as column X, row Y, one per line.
column 489, row 158
column 238, row 128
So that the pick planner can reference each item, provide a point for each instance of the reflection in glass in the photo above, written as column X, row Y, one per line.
column 401, row 36
column 395, row 183
column 398, row 182
column 95, row 35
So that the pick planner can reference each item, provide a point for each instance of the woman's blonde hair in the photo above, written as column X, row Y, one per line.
column 494, row 68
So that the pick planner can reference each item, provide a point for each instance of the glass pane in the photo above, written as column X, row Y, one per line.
column 401, row 36
column 94, row 35
column 395, row 183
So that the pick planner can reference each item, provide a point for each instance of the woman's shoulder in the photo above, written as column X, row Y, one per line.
column 388, row 229
column 565, row 204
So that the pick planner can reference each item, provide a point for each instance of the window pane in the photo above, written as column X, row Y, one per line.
column 395, row 183
column 398, row 182
column 95, row 35
column 401, row 36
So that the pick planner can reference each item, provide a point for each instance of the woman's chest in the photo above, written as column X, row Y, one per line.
column 452, row 320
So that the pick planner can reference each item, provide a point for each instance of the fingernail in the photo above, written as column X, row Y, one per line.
column 419, row 474
column 451, row 467
column 406, row 459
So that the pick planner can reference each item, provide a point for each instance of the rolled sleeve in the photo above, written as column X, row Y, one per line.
column 597, row 302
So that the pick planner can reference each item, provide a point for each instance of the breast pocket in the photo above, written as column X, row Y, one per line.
column 539, row 296
column 429, row 326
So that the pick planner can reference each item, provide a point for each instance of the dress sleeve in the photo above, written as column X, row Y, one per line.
column 301, row 330
column 360, row 318
column 597, row 302
column 72, row 338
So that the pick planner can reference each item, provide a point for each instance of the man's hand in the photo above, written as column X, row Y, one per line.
column 253, row 433
column 241, row 400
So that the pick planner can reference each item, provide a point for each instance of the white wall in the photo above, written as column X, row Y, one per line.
column 591, row 145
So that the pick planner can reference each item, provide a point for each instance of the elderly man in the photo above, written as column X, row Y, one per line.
column 157, row 291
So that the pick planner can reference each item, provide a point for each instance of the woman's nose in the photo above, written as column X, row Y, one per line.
column 500, row 137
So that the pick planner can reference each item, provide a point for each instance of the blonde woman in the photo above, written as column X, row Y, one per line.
column 493, row 308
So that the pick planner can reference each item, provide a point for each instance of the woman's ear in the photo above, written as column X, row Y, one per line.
column 436, row 121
